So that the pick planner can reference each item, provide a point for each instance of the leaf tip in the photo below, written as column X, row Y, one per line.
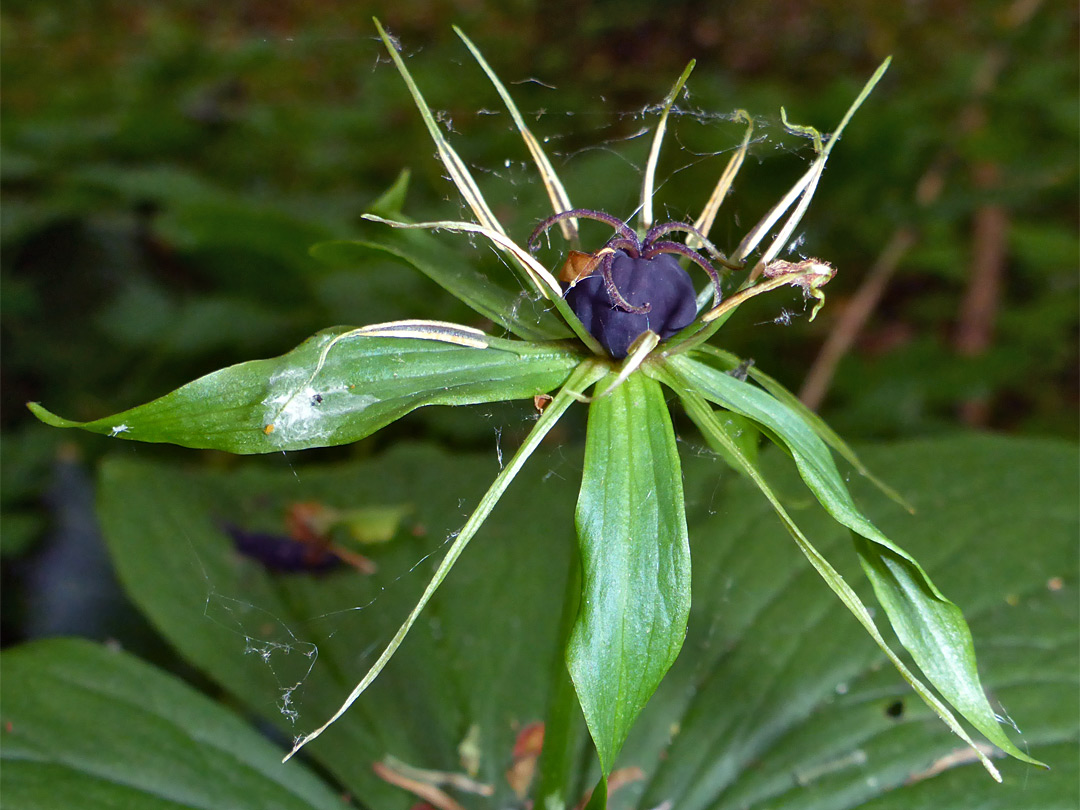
column 392, row 201
column 47, row 416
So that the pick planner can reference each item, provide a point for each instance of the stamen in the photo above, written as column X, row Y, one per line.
column 667, row 227
column 632, row 249
column 613, row 291
column 674, row 247
column 585, row 213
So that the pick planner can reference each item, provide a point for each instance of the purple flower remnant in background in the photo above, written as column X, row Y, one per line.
column 283, row 554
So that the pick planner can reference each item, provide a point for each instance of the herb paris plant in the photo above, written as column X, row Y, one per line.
column 628, row 324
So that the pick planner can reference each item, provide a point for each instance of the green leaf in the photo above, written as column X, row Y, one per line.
column 779, row 699
column 391, row 202
column 477, row 656
column 929, row 626
column 635, row 557
column 812, row 457
column 704, row 417
column 937, row 636
column 728, row 361
column 584, row 376
column 337, row 387
column 514, row 311
column 86, row 726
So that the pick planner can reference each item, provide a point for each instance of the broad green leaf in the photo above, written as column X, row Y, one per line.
column 782, row 423
column 929, row 626
column 635, row 558
column 477, row 656
column 936, row 636
column 706, row 419
column 86, row 726
column 514, row 311
column 337, row 387
column 779, row 698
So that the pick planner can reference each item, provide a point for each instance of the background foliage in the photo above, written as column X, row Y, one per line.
column 779, row 698
column 164, row 170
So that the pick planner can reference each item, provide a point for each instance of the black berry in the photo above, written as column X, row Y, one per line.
column 658, row 281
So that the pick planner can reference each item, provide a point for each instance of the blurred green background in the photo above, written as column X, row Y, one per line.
column 165, row 168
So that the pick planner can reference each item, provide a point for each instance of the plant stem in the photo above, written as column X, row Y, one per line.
column 561, row 724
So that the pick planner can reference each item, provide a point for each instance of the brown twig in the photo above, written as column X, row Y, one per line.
column 979, row 308
column 429, row 793
column 961, row 756
column 426, row 784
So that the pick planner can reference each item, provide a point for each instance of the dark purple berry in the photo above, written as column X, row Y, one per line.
column 659, row 282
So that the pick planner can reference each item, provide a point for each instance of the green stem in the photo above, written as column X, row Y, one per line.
column 560, row 725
